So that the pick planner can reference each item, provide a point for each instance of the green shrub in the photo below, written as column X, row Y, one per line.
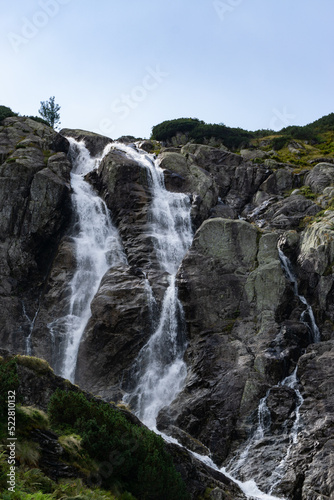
column 307, row 192
column 6, row 112
column 280, row 142
column 29, row 418
column 131, row 455
column 192, row 129
column 27, row 453
column 37, row 364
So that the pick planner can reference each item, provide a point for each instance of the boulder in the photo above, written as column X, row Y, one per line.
column 120, row 325
column 289, row 212
column 320, row 177
column 252, row 154
column 95, row 143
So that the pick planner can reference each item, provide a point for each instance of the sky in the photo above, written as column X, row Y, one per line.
column 119, row 67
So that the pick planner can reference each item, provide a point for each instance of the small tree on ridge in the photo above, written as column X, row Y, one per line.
column 49, row 110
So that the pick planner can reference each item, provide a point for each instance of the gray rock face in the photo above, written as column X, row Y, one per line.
column 310, row 471
column 232, row 327
column 119, row 327
column 35, row 210
column 238, row 180
column 288, row 213
column 124, row 186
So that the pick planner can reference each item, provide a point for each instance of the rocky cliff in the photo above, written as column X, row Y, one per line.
column 247, row 327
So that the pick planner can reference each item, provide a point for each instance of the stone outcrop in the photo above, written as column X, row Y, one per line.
column 124, row 186
column 95, row 143
column 35, row 211
column 120, row 325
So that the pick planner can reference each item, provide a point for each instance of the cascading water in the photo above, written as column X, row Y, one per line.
column 315, row 334
column 262, row 436
column 31, row 322
column 97, row 248
column 159, row 369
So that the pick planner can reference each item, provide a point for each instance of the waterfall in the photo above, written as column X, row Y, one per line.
column 31, row 322
column 97, row 248
column 262, row 436
column 286, row 264
column 160, row 370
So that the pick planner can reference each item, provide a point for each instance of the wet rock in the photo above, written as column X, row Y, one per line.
column 309, row 465
column 281, row 403
column 124, row 185
column 231, row 285
column 53, row 303
column 200, row 478
column 120, row 325
column 181, row 175
column 95, row 143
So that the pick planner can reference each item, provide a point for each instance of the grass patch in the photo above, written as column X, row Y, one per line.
column 37, row 364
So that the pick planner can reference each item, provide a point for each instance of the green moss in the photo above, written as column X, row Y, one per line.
column 39, row 365
column 29, row 418
column 207, row 494
column 307, row 192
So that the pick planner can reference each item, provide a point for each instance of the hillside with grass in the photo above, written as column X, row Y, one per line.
column 297, row 145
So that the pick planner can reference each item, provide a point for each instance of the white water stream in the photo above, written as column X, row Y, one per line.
column 160, row 370
column 97, row 248
column 289, row 437
column 315, row 334
column 28, row 347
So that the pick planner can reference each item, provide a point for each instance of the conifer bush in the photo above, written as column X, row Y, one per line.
column 129, row 454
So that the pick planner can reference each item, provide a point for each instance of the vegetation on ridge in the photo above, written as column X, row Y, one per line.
column 194, row 130
column 106, row 449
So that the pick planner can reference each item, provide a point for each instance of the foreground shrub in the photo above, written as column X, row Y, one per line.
column 129, row 454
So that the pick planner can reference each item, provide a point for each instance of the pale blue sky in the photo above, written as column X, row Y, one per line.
column 121, row 66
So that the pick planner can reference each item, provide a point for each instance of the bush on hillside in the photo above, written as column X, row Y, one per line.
column 131, row 455
column 6, row 112
column 201, row 133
